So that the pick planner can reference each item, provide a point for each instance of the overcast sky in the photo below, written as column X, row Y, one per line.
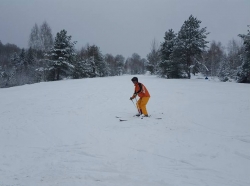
column 121, row 26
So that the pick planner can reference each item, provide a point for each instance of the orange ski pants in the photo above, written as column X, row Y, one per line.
column 141, row 104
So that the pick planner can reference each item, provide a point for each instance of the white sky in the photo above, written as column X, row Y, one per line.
column 121, row 26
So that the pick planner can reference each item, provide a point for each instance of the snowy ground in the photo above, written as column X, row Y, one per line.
column 66, row 133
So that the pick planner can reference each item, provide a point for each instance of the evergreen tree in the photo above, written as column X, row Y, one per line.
column 224, row 71
column 22, row 69
column 110, row 60
column 190, row 42
column 169, row 67
column 31, row 63
column 61, row 56
column 3, row 76
column 102, row 69
column 91, row 60
column 30, row 57
column 82, row 69
column 96, row 59
column 12, row 71
column 235, row 49
column 243, row 74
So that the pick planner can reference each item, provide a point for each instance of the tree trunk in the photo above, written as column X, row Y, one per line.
column 57, row 74
column 188, row 67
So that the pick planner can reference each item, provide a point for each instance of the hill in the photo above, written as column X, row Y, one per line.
column 66, row 133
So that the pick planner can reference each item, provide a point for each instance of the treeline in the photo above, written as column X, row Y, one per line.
column 179, row 55
column 187, row 52
column 49, row 59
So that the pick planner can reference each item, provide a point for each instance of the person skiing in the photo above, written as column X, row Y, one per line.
column 144, row 95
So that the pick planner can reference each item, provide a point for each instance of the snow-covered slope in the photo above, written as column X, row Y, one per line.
column 66, row 133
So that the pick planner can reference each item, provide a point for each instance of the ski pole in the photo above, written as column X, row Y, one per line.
column 136, row 106
column 139, row 111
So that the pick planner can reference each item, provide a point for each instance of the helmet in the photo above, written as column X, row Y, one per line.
column 134, row 79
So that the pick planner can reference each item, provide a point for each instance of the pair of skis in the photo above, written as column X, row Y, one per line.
column 139, row 113
column 121, row 119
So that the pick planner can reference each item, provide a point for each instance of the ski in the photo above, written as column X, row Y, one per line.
column 149, row 116
column 121, row 119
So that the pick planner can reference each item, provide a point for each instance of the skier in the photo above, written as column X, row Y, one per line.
column 144, row 95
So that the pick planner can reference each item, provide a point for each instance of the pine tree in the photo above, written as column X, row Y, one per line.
column 30, row 56
column 243, row 74
column 83, row 64
column 22, row 69
column 168, row 66
column 30, row 59
column 97, row 61
column 224, row 71
column 235, row 49
column 61, row 56
column 191, row 42
column 3, row 76
column 82, row 69
column 12, row 71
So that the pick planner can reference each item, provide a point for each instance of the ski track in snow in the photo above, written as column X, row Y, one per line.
column 66, row 133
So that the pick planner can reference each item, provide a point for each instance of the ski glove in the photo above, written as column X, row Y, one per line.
column 133, row 96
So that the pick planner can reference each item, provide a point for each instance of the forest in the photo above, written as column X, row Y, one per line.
column 179, row 55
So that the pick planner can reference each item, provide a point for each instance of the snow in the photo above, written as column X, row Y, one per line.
column 66, row 133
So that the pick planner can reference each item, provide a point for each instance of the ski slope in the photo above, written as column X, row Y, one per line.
column 66, row 133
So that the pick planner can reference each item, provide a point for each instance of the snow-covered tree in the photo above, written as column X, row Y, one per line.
column 30, row 57
column 235, row 49
column 224, row 71
column 110, row 60
column 3, row 76
column 31, row 62
column 135, row 64
column 243, row 74
column 169, row 67
column 41, row 40
column 98, row 63
column 115, row 64
column 191, row 42
column 153, row 58
column 46, row 37
column 61, row 56
column 35, row 39
column 119, row 61
column 214, row 57
column 82, row 69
